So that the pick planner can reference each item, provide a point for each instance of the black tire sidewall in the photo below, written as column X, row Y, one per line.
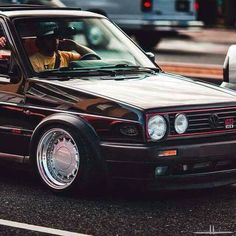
column 83, row 179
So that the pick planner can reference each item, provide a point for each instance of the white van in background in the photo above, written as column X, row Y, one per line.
column 147, row 20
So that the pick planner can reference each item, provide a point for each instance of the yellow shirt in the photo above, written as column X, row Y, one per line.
column 41, row 62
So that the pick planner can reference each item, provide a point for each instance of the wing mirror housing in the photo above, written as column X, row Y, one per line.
column 151, row 56
column 229, row 68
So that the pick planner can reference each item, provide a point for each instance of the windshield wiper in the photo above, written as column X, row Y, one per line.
column 133, row 68
column 112, row 70
column 72, row 72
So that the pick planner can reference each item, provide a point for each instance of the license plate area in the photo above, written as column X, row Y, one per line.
column 182, row 5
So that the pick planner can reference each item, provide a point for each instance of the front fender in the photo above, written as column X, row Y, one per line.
column 74, row 122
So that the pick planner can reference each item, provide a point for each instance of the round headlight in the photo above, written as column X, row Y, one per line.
column 157, row 127
column 181, row 123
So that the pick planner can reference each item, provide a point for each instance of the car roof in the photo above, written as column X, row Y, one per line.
column 24, row 10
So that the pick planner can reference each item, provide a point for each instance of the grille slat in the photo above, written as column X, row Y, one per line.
column 197, row 131
column 227, row 112
column 201, row 119
column 199, row 124
column 196, row 115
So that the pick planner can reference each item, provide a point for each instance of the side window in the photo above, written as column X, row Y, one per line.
column 9, row 71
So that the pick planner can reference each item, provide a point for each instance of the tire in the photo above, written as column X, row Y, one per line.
column 63, row 160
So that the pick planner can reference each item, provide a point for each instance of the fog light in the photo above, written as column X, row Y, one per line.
column 160, row 170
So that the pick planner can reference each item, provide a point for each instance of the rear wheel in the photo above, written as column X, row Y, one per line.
column 62, row 159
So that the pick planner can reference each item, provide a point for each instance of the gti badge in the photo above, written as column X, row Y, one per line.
column 229, row 123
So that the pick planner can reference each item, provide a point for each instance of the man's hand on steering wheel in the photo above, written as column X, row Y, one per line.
column 85, row 52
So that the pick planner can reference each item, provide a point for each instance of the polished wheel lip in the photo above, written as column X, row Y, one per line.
column 58, row 158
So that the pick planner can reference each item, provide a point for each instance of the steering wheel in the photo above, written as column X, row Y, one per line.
column 90, row 56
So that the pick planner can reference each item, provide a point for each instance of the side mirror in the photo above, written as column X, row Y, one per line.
column 229, row 67
column 151, row 56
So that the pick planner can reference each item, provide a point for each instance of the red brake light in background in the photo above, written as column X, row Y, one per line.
column 196, row 6
column 146, row 5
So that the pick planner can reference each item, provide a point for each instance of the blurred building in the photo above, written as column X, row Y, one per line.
column 213, row 12
column 229, row 12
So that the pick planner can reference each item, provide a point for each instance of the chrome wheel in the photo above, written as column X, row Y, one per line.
column 58, row 158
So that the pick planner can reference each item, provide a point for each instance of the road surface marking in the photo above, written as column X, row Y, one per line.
column 39, row 228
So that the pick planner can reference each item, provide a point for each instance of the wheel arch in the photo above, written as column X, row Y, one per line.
column 70, row 121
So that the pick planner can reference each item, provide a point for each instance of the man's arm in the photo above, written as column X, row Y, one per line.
column 70, row 45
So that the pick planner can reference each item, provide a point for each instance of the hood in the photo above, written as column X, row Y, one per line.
column 155, row 91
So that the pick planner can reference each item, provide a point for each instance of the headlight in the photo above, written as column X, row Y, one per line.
column 157, row 127
column 181, row 123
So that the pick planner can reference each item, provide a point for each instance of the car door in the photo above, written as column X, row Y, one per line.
column 14, row 138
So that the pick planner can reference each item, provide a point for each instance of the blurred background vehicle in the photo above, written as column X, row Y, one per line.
column 147, row 20
column 56, row 3
column 195, row 49
column 210, row 12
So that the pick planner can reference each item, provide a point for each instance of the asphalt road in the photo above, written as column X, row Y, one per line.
column 195, row 57
column 23, row 199
column 206, row 46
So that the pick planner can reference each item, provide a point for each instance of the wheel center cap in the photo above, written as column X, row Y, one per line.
column 62, row 158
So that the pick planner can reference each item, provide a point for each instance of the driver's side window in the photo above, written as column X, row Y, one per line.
column 9, row 71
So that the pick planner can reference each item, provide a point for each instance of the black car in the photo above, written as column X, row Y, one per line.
column 110, row 114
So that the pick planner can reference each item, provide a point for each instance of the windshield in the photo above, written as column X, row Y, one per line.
column 78, row 44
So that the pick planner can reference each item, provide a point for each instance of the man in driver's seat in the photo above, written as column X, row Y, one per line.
column 49, row 55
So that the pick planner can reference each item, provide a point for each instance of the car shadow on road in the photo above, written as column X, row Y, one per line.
column 18, row 177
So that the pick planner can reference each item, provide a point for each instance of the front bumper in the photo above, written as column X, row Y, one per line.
column 200, row 165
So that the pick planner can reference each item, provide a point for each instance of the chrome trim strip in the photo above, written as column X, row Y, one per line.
column 26, row 159
column 80, row 114
column 68, row 112
column 11, row 128
column 12, row 157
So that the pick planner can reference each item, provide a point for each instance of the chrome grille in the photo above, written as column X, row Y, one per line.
column 206, row 120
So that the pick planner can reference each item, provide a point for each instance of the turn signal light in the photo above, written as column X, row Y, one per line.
column 167, row 153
